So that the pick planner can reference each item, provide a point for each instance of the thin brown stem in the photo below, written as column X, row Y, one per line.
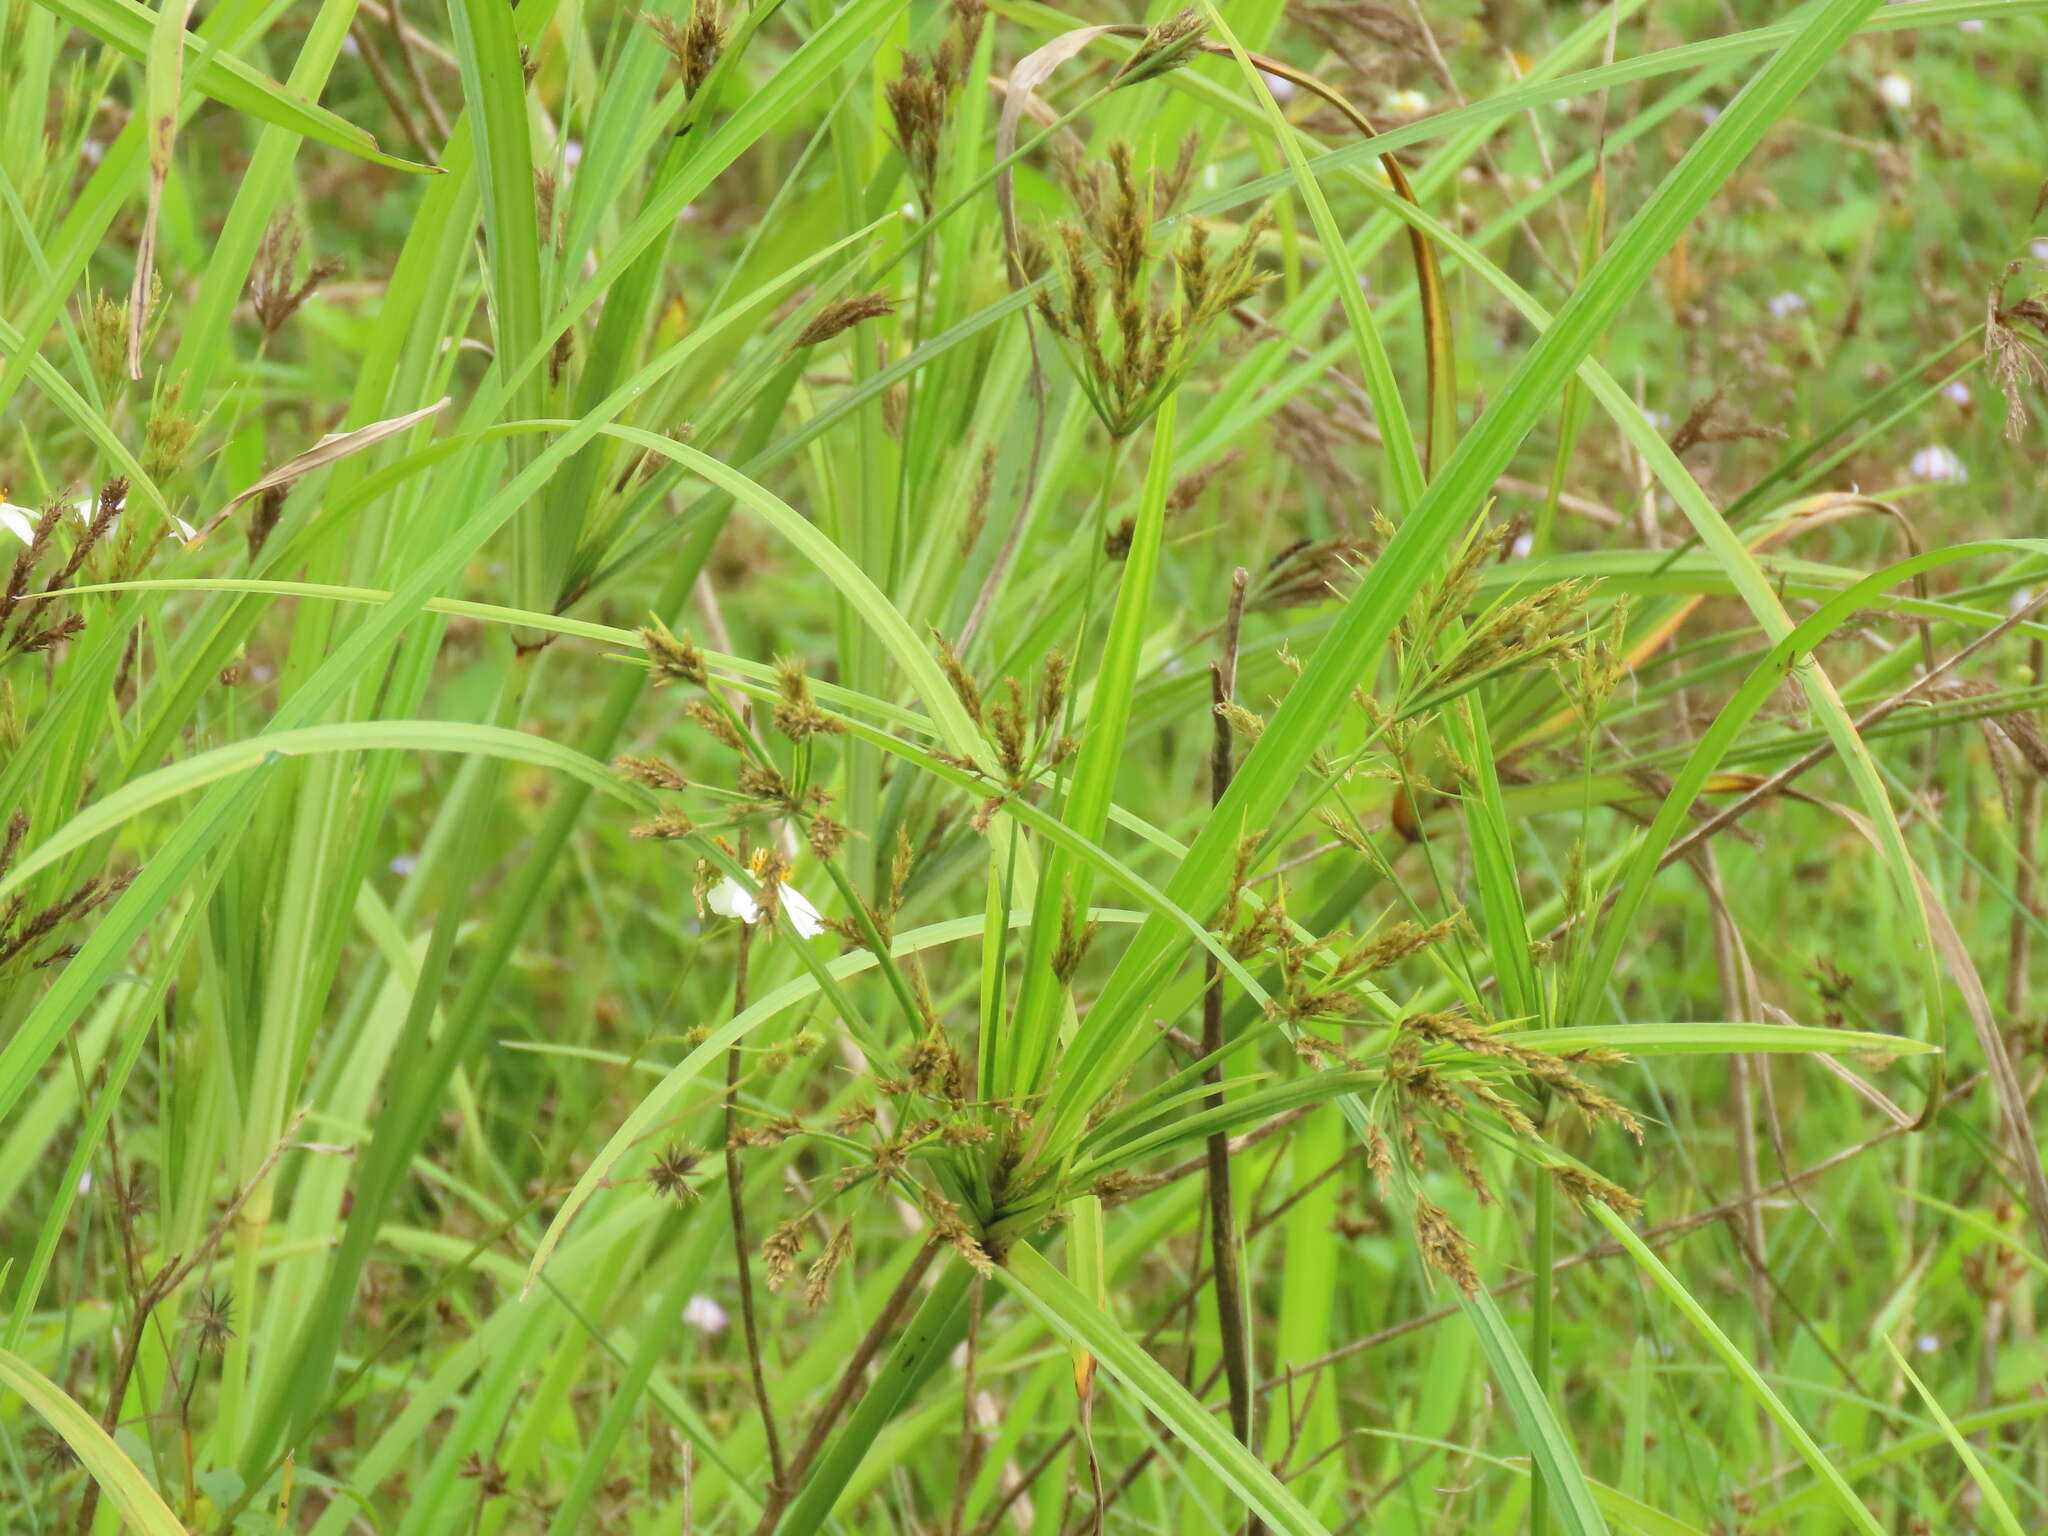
column 1654, row 1237
column 387, row 87
column 786, row 1484
column 164, row 1283
column 1821, row 752
column 735, row 1200
column 403, row 35
column 971, row 1448
column 1224, row 1242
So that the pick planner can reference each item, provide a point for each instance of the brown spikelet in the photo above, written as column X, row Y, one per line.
column 947, row 1222
column 834, row 319
column 675, row 658
column 1582, row 1187
column 651, row 771
column 1444, row 1246
column 1167, row 46
column 818, row 1278
column 694, row 44
column 274, row 294
column 666, row 827
column 779, row 1252
column 10, row 841
column 963, row 685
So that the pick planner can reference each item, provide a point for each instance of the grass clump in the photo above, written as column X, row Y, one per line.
column 971, row 768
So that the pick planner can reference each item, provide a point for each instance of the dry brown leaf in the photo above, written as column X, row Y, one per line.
column 335, row 445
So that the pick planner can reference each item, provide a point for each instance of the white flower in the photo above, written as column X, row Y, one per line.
column 2017, row 603
column 1928, row 1343
column 92, row 151
column 1974, row 24
column 1895, row 90
column 729, row 898
column 1524, row 545
column 1708, row 113
column 404, row 864
column 1281, row 87
column 1407, row 102
column 2038, row 249
column 1787, row 304
column 18, row 521
column 1940, row 464
column 1658, row 419
column 185, row 533
column 1957, row 391
column 85, row 1182
column 706, row 1315
column 572, row 154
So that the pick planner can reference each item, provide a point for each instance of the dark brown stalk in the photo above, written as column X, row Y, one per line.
column 164, row 1283
column 402, row 34
column 971, row 1448
column 787, row 1483
column 1729, row 815
column 1656, row 1237
column 736, row 1202
column 2026, row 877
column 1223, row 1236
column 387, row 87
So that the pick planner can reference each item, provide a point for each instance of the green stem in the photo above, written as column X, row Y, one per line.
column 1539, row 1332
column 923, row 1346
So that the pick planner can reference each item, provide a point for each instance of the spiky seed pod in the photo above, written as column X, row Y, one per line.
column 212, row 1320
column 670, row 1174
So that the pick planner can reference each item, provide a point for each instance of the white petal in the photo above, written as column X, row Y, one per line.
column 729, row 899
column 1895, row 90
column 17, row 521
column 803, row 917
column 705, row 1315
column 186, row 532
column 1937, row 463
